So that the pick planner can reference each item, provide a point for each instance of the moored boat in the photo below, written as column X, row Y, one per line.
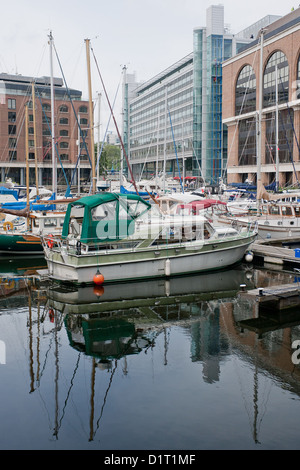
column 113, row 236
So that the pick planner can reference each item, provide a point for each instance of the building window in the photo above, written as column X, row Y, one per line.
column 64, row 121
column 30, row 130
column 12, row 129
column 31, row 156
column 83, row 121
column 83, row 109
column 12, row 154
column 64, row 145
column 11, row 103
column 46, row 131
column 64, row 156
column 64, row 133
column 12, row 142
column 277, row 59
column 63, row 109
column 245, row 91
column 247, row 142
column 285, row 136
column 12, row 116
column 46, row 107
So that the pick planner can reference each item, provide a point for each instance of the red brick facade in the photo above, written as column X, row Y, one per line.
column 284, row 39
column 12, row 135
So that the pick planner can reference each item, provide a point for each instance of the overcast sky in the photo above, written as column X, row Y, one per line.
column 146, row 36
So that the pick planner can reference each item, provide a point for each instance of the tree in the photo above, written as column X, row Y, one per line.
column 110, row 158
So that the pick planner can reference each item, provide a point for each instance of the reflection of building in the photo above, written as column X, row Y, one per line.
column 174, row 120
column 15, row 94
column 241, row 104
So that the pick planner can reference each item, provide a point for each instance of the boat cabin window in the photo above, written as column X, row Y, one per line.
column 274, row 210
column 297, row 211
column 287, row 210
column 50, row 222
column 104, row 211
column 264, row 209
column 76, row 218
column 135, row 208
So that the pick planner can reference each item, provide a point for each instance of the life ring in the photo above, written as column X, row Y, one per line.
column 8, row 226
column 50, row 241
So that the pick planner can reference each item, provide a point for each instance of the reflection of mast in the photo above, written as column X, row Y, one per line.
column 55, row 433
column 30, row 342
column 92, row 400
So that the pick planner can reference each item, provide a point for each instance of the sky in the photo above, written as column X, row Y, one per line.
column 145, row 36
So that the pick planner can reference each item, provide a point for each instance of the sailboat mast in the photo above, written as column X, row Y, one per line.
column 91, row 115
column 54, row 169
column 35, row 145
column 26, row 158
column 98, row 146
column 260, row 109
column 276, row 126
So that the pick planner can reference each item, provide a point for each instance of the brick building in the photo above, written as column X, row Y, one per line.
column 276, row 111
column 16, row 92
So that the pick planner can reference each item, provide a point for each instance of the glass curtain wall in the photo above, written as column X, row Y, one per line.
column 199, row 36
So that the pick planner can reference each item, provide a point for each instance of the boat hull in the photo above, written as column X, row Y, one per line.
column 267, row 228
column 118, row 266
column 18, row 244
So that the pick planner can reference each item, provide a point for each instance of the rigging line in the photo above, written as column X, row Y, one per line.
column 142, row 170
column 175, row 151
column 71, row 101
column 56, row 149
column 123, row 148
column 194, row 153
column 108, row 122
column 105, row 397
column 289, row 111
column 288, row 144
column 246, row 141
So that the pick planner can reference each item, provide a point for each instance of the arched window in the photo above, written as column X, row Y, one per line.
column 64, row 145
column 63, row 109
column 245, row 91
column 298, row 81
column 46, row 107
column 83, row 109
column 279, row 60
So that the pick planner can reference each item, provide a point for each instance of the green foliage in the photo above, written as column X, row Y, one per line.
column 110, row 158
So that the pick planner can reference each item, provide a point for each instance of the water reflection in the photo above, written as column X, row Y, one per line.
column 82, row 343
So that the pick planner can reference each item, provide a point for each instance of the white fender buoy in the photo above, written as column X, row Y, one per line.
column 167, row 267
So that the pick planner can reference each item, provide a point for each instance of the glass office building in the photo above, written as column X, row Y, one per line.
column 174, row 120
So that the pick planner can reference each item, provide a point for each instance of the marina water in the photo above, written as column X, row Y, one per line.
column 177, row 364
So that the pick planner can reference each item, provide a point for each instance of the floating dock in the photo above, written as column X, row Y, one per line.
column 279, row 252
column 280, row 297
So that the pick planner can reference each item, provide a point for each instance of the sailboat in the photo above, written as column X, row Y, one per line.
column 26, row 220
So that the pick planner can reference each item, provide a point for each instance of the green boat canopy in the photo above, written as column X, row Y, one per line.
column 103, row 217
